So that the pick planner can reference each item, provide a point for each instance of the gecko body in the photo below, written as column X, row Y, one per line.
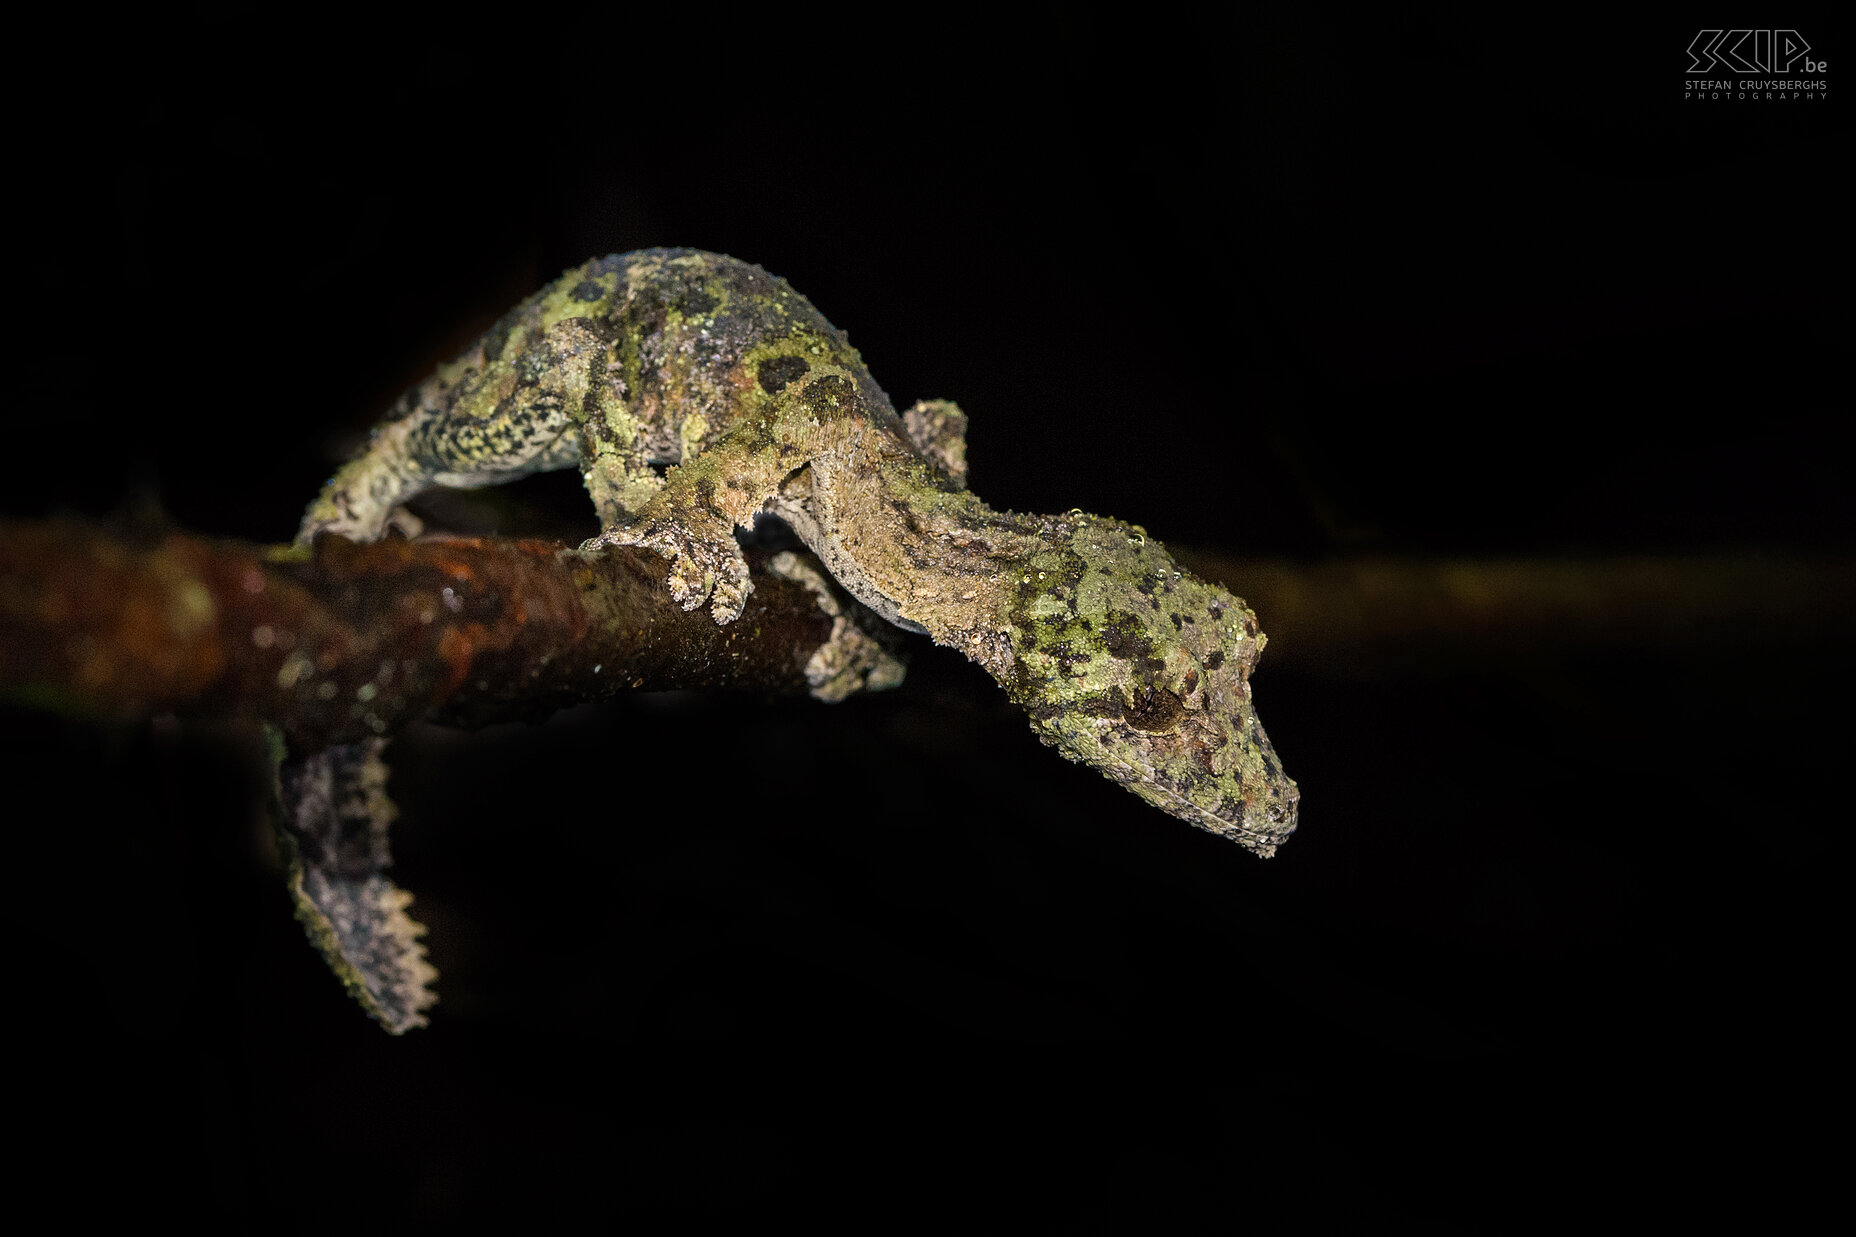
column 696, row 392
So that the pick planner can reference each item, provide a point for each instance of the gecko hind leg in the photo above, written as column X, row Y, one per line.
column 705, row 560
column 366, row 496
column 706, row 563
column 691, row 517
column 506, row 420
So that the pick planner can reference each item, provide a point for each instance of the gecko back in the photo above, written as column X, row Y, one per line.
column 622, row 366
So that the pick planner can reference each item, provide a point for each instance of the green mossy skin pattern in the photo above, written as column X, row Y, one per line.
column 696, row 393
column 1140, row 669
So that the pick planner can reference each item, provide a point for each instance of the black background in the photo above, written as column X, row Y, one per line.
column 1552, row 941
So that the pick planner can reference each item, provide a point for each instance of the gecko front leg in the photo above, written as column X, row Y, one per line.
column 938, row 430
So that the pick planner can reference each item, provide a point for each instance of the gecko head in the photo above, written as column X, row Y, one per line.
column 1141, row 670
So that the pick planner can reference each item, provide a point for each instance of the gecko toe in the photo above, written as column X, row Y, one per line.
column 702, row 568
column 731, row 593
column 689, row 584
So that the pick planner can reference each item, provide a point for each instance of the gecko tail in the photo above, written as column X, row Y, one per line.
column 332, row 815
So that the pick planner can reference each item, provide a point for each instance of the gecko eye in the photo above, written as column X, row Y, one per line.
column 1153, row 709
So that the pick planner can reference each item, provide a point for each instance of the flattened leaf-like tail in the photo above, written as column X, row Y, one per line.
column 332, row 814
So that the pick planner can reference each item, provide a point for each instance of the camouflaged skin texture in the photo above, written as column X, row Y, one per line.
column 696, row 392
column 332, row 816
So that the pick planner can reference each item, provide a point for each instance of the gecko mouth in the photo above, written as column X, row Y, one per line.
column 1260, row 820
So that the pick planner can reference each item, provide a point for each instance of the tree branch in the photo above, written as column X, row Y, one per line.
column 349, row 641
column 1369, row 617
column 352, row 640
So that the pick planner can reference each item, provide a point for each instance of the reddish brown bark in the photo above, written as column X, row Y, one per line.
column 353, row 640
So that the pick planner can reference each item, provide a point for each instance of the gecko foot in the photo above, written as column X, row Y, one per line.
column 706, row 564
column 938, row 429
